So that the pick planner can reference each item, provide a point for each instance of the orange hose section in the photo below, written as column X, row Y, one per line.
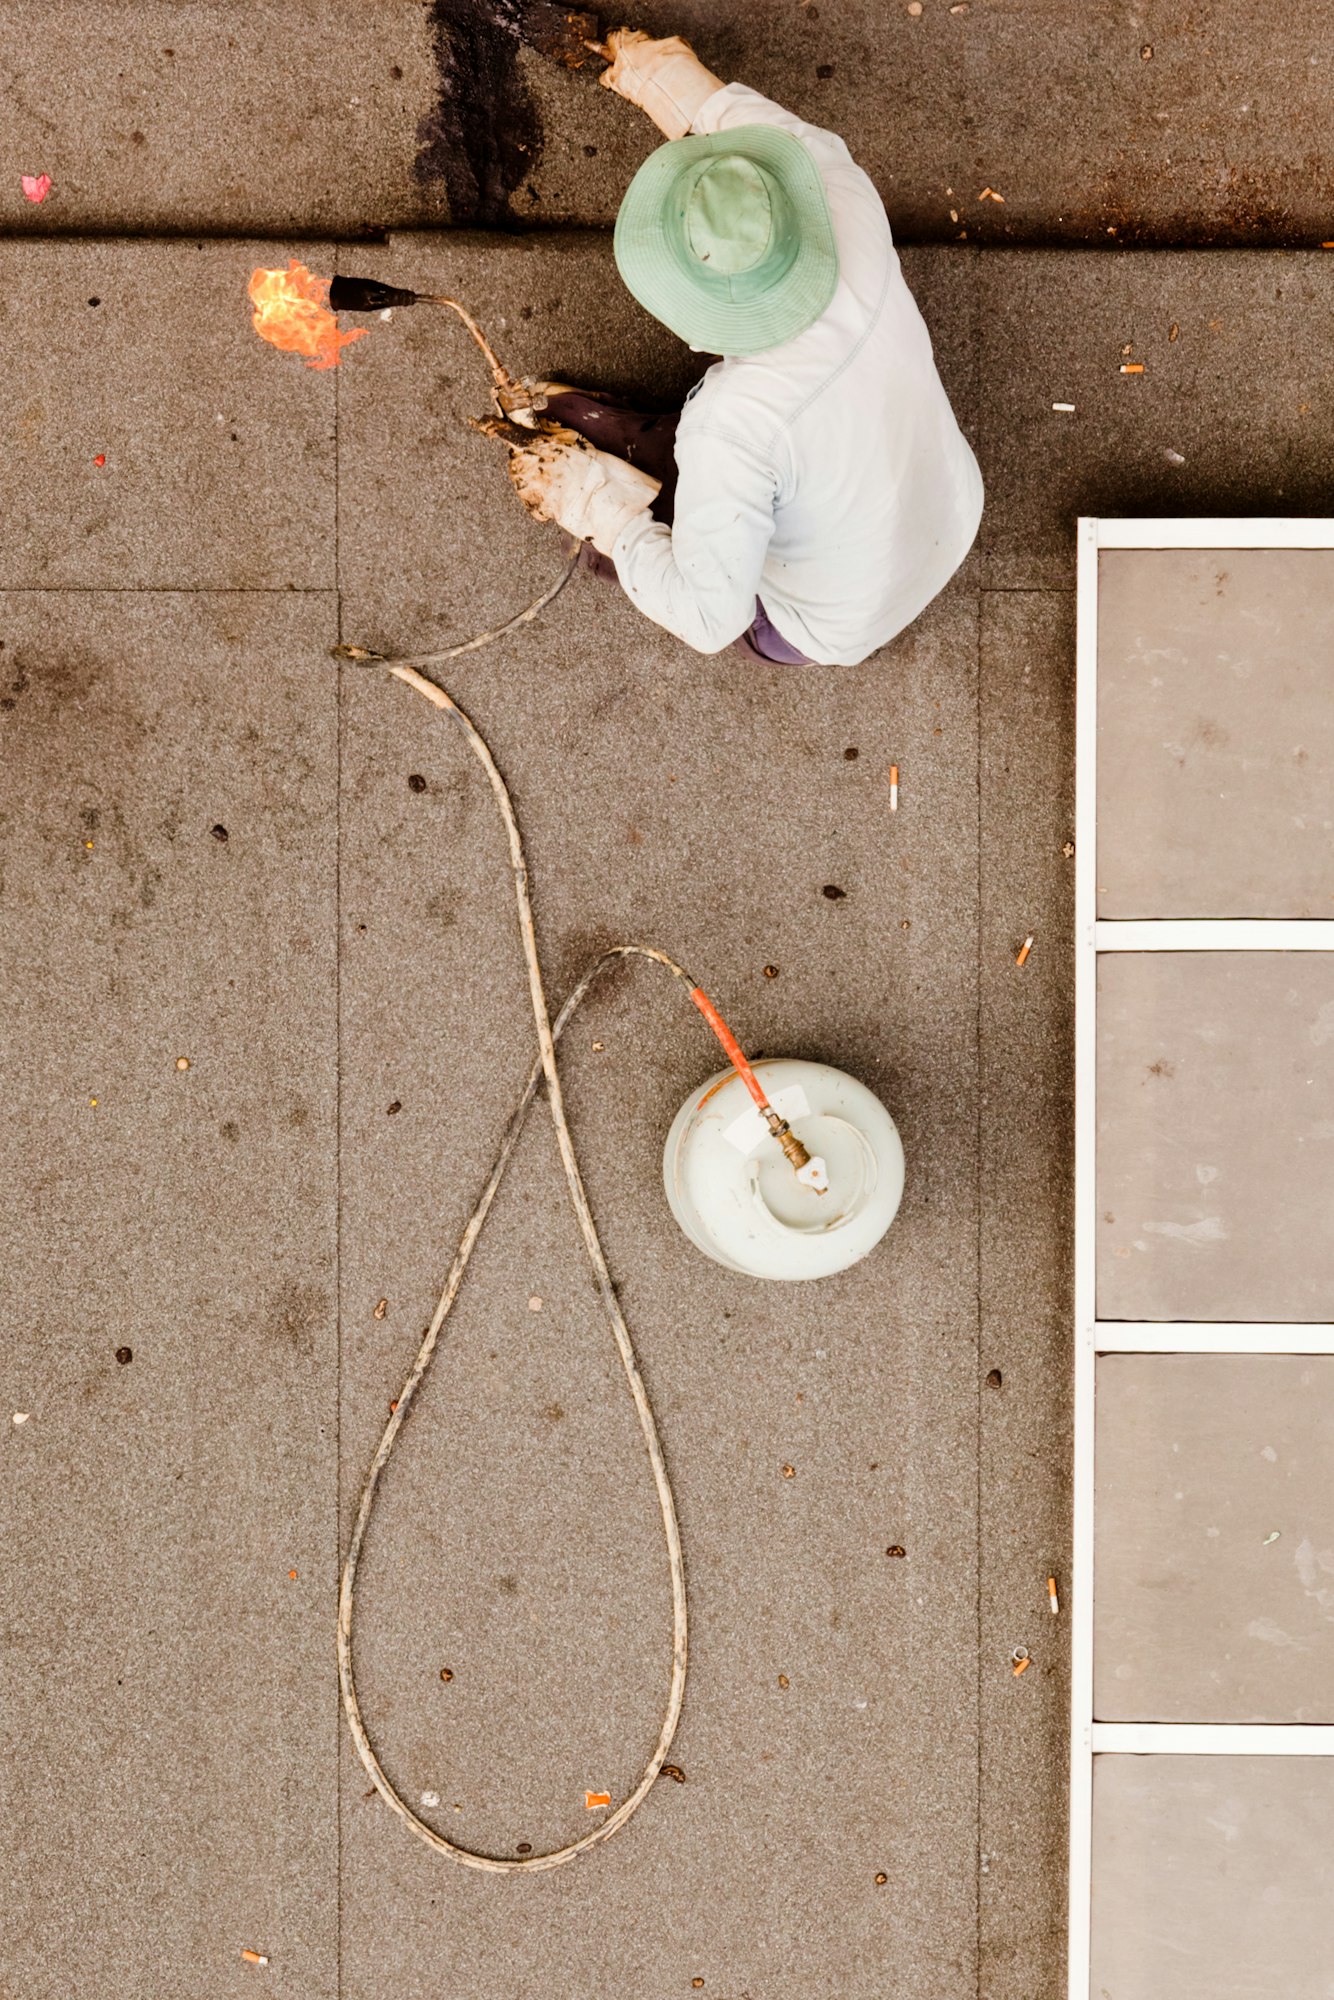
column 731, row 1046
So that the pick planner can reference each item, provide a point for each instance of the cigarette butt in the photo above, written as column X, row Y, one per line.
column 1132, row 367
column 893, row 788
column 592, row 1799
column 1021, row 957
column 254, row 1958
column 1069, row 408
column 1052, row 1598
column 1022, row 1666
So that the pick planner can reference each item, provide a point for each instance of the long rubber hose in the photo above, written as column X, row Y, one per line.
column 548, row 1032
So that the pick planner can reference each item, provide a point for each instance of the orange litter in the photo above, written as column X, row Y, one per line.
column 1132, row 367
column 592, row 1799
column 1022, row 1666
column 1021, row 956
column 254, row 1958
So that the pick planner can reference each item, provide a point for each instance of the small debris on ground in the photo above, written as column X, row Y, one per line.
column 789, row 1472
column 381, row 1308
column 1052, row 1597
column 1021, row 956
column 598, row 1048
column 416, row 783
column 1272, row 1536
column 674, row 1772
column 392, row 1110
column 535, row 1304
column 1067, row 408
column 1174, row 331
column 446, row 1675
column 182, row 1062
column 1020, row 1660
column 592, row 1800
column 430, row 1799
column 882, row 1878
column 783, row 1681
column 124, row 1355
column 38, row 186
column 896, row 1549
column 994, row 1378
column 22, row 1416
column 1132, row 367
column 990, row 194
column 771, row 972
column 219, row 832
column 1173, row 457
column 255, row 1957
column 833, row 892
column 1068, row 849
column 100, row 459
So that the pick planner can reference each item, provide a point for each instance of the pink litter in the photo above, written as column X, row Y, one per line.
column 36, row 186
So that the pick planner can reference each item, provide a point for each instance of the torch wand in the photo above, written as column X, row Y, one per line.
column 369, row 295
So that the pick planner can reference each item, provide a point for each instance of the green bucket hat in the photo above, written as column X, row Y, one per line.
column 726, row 238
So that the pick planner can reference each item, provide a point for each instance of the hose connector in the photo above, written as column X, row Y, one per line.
column 810, row 1170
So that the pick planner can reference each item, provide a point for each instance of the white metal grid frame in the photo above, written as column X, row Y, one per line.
column 1093, row 1336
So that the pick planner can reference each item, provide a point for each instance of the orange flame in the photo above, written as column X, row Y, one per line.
column 292, row 311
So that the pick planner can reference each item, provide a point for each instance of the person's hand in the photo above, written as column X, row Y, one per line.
column 666, row 78
column 561, row 477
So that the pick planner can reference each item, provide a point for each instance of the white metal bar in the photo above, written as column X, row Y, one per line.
column 1213, row 1739
column 1215, row 934
column 1282, row 532
column 1086, row 1049
column 1126, row 1336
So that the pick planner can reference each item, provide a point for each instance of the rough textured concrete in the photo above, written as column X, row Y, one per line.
column 217, row 474
column 170, row 1335
column 1026, row 814
column 1216, row 1111
column 517, row 1544
column 1215, row 733
column 648, row 815
column 1169, row 125
column 1240, row 394
column 1215, row 1877
column 1215, row 1574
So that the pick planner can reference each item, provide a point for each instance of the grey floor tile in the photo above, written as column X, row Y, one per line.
column 701, row 806
column 1215, row 736
column 1215, row 1562
column 1214, row 1877
column 218, row 453
column 169, row 1307
column 1091, row 127
column 1229, row 417
column 1026, row 682
column 1215, row 1135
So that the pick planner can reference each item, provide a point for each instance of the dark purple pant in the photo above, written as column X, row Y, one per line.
column 649, row 442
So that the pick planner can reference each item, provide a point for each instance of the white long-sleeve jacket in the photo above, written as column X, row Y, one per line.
column 828, row 476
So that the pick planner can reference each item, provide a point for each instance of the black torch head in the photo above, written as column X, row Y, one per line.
column 366, row 295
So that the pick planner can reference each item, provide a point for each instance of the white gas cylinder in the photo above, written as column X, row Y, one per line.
column 735, row 1193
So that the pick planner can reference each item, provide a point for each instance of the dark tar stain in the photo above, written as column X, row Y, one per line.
column 483, row 137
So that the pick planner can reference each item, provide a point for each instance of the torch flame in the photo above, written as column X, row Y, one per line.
column 292, row 311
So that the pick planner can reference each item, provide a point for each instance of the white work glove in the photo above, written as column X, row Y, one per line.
column 666, row 79
column 562, row 477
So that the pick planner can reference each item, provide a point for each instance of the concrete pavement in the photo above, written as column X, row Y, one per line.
column 342, row 976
